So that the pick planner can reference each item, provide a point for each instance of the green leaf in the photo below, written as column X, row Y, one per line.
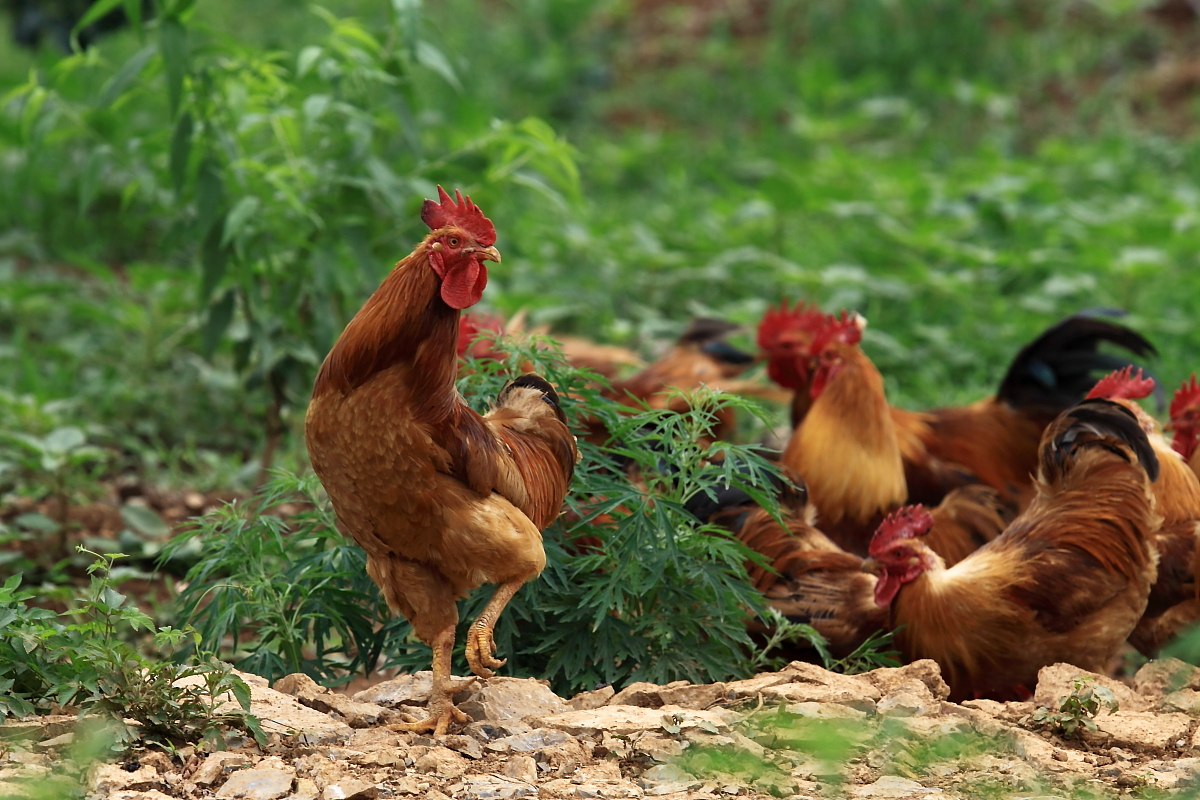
column 144, row 521
column 35, row 521
column 64, row 439
column 97, row 10
column 239, row 215
column 172, row 39
column 304, row 62
column 213, row 259
column 29, row 111
column 210, row 195
column 181, row 147
column 220, row 314
column 133, row 11
column 430, row 57
column 125, row 75
column 89, row 177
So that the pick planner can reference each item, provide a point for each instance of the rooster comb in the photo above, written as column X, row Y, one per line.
column 1122, row 384
column 846, row 327
column 907, row 522
column 470, row 326
column 777, row 320
column 1185, row 397
column 461, row 212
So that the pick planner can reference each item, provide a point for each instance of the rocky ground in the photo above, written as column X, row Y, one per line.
column 801, row 732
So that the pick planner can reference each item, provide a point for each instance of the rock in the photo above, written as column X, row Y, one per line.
column 1145, row 732
column 216, row 766
column 356, row 713
column 529, row 742
column 925, row 672
column 512, row 698
column 811, row 684
column 892, row 786
column 412, row 688
column 466, row 745
column 491, row 730
column 694, row 697
column 442, row 761
column 1058, row 681
column 350, row 789
column 306, row 789
column 56, row 743
column 108, row 778
column 630, row 719
column 904, row 703
column 826, row 711
column 606, row 789
column 489, row 787
column 38, row 728
column 668, row 774
column 523, row 768
column 1185, row 701
column 586, row 701
column 260, row 783
column 640, row 694
column 1163, row 676
column 751, row 687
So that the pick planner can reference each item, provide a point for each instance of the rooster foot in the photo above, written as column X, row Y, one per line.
column 480, row 650
column 441, row 710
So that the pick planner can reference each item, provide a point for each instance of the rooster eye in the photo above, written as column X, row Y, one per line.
column 454, row 241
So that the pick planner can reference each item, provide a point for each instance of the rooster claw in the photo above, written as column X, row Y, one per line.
column 480, row 650
column 438, row 721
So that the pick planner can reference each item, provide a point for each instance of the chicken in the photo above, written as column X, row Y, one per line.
column 1173, row 602
column 1185, row 422
column 873, row 457
column 809, row 579
column 441, row 499
column 1067, row 581
column 605, row 360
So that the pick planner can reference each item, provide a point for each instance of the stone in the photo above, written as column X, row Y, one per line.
column 826, row 711
column 925, row 672
column 489, row 787
column 38, row 728
column 631, row 719
column 55, row 743
column 1056, row 682
column 259, row 783
column 296, row 684
column 752, row 687
column 1185, row 701
column 466, row 745
column 529, row 742
column 600, row 789
column 412, row 688
column 108, row 778
column 811, row 684
column 522, row 768
column 350, row 789
column 905, row 703
column 216, row 766
column 894, row 787
column 490, row 730
column 356, row 713
column 442, row 761
column 306, row 789
column 1145, row 732
column 640, row 694
column 697, row 697
column 1165, row 675
column 586, row 701
column 512, row 699
column 562, row 759
column 668, row 774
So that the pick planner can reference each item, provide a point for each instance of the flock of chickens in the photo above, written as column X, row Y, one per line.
column 1051, row 522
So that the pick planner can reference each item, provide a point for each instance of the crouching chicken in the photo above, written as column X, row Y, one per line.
column 441, row 498
column 1068, row 580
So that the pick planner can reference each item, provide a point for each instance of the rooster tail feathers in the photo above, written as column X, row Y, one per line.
column 1056, row 369
column 1095, row 423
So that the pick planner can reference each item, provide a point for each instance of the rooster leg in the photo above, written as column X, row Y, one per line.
column 480, row 645
column 441, row 704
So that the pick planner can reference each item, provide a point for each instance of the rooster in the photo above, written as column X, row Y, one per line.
column 872, row 457
column 441, row 499
column 1067, row 581
column 603, row 359
column 1185, row 422
column 1173, row 601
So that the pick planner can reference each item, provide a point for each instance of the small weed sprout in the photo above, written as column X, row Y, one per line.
column 1077, row 710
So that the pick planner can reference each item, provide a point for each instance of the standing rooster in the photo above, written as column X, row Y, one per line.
column 441, row 498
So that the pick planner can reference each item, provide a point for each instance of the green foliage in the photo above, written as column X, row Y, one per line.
column 1076, row 710
column 654, row 598
column 93, row 664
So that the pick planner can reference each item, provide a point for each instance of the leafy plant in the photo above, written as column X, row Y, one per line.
column 1077, row 709
column 93, row 664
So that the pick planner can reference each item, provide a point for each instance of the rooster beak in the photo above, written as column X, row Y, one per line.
column 871, row 566
column 489, row 253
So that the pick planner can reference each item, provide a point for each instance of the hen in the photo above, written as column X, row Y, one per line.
column 1067, row 581
column 440, row 498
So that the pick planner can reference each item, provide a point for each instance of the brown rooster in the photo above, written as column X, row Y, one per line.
column 1067, row 581
column 1173, row 603
column 441, row 498
column 1185, row 422
column 874, row 457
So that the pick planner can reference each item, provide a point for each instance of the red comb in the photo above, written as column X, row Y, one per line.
column 470, row 326
column 461, row 212
column 846, row 328
column 1122, row 385
column 801, row 317
column 1185, row 396
column 907, row 522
